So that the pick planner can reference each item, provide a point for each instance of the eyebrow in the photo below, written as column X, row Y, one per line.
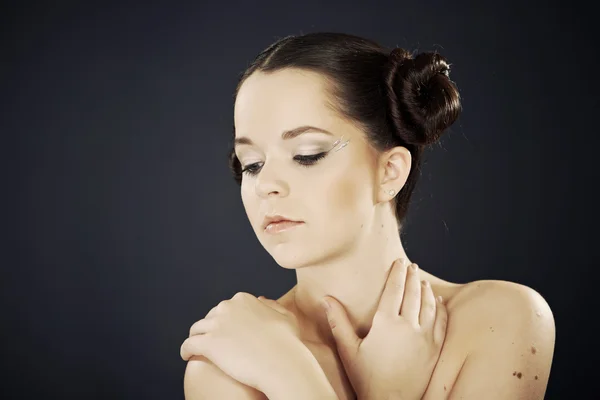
column 286, row 135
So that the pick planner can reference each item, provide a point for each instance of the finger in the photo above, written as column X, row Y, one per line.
column 427, row 314
column 393, row 292
column 195, row 346
column 411, row 302
column 273, row 304
column 346, row 340
column 216, row 309
column 199, row 358
column 211, row 313
column 203, row 326
column 242, row 295
column 441, row 322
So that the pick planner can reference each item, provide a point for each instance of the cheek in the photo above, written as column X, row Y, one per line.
column 349, row 196
column 249, row 200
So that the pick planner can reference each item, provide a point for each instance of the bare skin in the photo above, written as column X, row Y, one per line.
column 347, row 241
column 321, row 343
column 467, row 331
column 482, row 316
column 323, row 347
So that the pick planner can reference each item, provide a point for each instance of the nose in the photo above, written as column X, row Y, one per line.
column 269, row 183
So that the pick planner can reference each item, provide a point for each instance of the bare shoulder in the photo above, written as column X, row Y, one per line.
column 504, row 322
column 205, row 381
column 491, row 307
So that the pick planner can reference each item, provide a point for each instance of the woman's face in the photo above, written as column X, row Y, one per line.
column 332, row 195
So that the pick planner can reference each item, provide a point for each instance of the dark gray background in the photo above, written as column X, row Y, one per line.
column 123, row 225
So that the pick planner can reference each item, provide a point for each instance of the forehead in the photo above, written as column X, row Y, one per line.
column 282, row 100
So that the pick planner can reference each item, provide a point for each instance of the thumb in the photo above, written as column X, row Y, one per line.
column 346, row 340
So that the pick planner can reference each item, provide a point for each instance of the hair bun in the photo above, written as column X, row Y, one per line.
column 423, row 100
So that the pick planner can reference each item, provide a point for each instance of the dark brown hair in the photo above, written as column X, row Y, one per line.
column 395, row 97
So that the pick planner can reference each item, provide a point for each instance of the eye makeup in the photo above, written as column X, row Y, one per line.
column 339, row 144
column 303, row 160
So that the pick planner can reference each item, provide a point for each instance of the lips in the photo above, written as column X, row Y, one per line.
column 281, row 226
column 278, row 223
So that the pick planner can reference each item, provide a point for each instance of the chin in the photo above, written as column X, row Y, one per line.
column 288, row 253
column 296, row 250
column 296, row 257
column 287, row 257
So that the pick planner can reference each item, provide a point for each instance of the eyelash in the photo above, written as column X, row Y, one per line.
column 305, row 161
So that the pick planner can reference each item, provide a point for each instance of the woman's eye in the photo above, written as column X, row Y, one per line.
column 310, row 160
column 254, row 169
column 251, row 169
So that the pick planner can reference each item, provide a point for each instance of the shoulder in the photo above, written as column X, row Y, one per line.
column 494, row 306
column 507, row 323
column 205, row 381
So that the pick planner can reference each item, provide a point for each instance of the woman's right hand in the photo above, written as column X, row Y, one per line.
column 397, row 357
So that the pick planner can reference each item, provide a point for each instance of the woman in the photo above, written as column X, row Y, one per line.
column 329, row 133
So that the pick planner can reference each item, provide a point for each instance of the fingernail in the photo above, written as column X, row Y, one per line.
column 414, row 267
column 425, row 283
column 439, row 298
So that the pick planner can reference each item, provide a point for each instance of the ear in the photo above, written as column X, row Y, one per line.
column 394, row 167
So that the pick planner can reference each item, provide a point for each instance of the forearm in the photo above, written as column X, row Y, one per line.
column 380, row 397
column 303, row 379
column 376, row 393
column 302, row 388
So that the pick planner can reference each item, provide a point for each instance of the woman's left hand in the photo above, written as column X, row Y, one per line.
column 254, row 343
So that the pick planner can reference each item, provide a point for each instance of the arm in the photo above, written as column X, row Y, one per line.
column 255, row 344
column 514, row 350
column 304, row 380
column 205, row 381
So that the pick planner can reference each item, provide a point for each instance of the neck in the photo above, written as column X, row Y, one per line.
column 356, row 279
